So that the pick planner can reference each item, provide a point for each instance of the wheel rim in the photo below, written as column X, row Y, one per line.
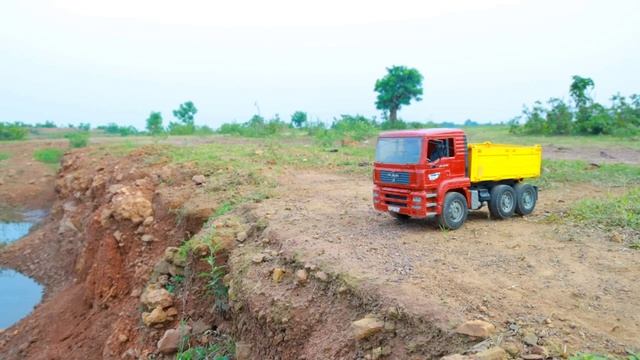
column 527, row 199
column 506, row 202
column 456, row 212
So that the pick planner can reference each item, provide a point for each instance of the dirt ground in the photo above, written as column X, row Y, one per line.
column 567, row 285
column 574, row 288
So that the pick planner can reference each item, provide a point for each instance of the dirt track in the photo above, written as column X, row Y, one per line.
column 567, row 285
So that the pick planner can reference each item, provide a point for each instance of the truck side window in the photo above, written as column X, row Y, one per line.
column 439, row 148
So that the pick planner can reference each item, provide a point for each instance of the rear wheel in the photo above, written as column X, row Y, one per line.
column 526, row 197
column 503, row 201
column 454, row 211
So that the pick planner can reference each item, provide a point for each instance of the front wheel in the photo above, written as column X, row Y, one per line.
column 503, row 201
column 527, row 197
column 454, row 211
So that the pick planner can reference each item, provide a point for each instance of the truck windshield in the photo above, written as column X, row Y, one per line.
column 405, row 150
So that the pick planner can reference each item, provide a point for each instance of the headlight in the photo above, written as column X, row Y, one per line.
column 417, row 199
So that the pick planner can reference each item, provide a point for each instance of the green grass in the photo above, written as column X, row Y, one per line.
column 577, row 171
column 48, row 155
column 592, row 356
column 3, row 156
column 612, row 212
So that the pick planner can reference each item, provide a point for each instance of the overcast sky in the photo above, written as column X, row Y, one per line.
column 74, row 61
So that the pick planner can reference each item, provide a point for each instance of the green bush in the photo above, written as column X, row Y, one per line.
column 3, row 156
column 48, row 155
column 12, row 131
column 255, row 127
column 78, row 139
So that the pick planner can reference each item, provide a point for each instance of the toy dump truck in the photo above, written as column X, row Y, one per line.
column 434, row 172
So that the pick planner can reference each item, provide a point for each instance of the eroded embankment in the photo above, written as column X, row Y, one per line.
column 139, row 262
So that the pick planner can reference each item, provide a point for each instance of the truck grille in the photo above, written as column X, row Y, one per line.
column 394, row 177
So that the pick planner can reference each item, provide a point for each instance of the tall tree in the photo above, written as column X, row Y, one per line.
column 154, row 123
column 186, row 113
column 398, row 87
column 579, row 90
column 299, row 118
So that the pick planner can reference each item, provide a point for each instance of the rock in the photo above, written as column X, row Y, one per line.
column 122, row 338
column 366, row 327
column 495, row 353
column 136, row 292
column 154, row 296
column 241, row 236
column 530, row 339
column 301, row 277
column 147, row 238
column 616, row 237
column 243, row 351
column 257, row 259
column 155, row 317
column 278, row 274
column 169, row 342
column 511, row 348
column 531, row 357
column 456, row 357
column 199, row 179
column 117, row 235
column 539, row 350
column 148, row 221
column 375, row 354
column 173, row 256
column 131, row 205
column 322, row 276
column 162, row 267
column 66, row 226
column 200, row 327
column 172, row 312
column 476, row 328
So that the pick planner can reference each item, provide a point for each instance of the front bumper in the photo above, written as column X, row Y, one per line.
column 403, row 201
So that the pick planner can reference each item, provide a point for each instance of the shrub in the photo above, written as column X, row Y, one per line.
column 12, row 131
column 78, row 139
column 48, row 155
column 3, row 156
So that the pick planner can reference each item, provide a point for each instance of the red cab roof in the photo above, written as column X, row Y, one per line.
column 422, row 132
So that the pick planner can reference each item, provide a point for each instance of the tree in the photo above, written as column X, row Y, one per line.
column 579, row 90
column 398, row 87
column 559, row 117
column 299, row 119
column 186, row 113
column 154, row 123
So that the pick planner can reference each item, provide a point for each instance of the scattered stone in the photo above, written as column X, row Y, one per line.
column 155, row 317
column 511, row 348
column 147, row 238
column 616, row 237
column 495, row 353
column 118, row 236
column 322, row 276
column 366, row 327
column 122, row 338
column 154, row 296
column 258, row 258
column 539, row 350
column 241, row 236
column 531, row 357
column 476, row 328
column 199, row 179
column 456, row 357
column 243, row 351
column 278, row 274
column 301, row 276
column 131, row 205
column 136, row 292
column 148, row 221
column 375, row 354
column 530, row 339
column 171, row 312
column 200, row 327
column 168, row 344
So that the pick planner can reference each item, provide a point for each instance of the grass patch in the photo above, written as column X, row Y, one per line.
column 48, row 155
column 3, row 156
column 592, row 356
column 612, row 212
column 575, row 171
column 215, row 351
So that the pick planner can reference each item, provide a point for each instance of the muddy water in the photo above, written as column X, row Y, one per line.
column 18, row 293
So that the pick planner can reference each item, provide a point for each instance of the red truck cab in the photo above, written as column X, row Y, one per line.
column 415, row 168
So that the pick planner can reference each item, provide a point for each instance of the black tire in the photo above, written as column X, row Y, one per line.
column 400, row 217
column 454, row 211
column 526, row 196
column 503, row 202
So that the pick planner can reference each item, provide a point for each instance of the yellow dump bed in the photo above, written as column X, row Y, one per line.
column 494, row 162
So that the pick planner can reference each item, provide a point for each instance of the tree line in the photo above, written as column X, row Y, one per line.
column 581, row 115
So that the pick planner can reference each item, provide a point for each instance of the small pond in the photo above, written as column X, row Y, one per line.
column 18, row 293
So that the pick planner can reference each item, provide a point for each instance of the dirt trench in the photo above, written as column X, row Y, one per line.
column 108, row 253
